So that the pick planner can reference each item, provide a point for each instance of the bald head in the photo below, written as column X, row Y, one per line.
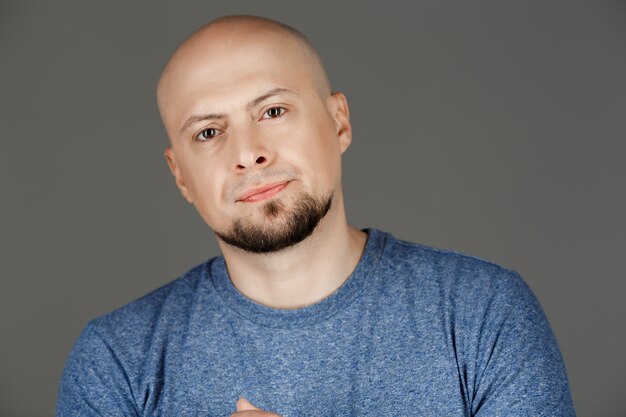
column 239, row 34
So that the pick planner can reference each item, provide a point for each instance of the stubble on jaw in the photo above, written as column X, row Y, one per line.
column 281, row 228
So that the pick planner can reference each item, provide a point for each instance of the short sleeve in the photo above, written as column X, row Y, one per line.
column 94, row 382
column 520, row 368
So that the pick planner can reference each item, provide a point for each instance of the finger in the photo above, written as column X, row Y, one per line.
column 245, row 405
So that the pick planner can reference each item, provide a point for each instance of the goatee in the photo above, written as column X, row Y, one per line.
column 278, row 233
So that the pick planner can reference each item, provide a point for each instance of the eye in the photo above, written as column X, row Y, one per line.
column 274, row 112
column 207, row 134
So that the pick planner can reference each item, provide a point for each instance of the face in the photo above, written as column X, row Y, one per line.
column 255, row 146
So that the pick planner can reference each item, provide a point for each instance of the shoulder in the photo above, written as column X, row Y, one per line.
column 470, row 294
column 447, row 267
column 508, row 358
column 166, row 306
column 110, row 357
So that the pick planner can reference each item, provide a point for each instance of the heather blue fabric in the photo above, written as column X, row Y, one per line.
column 414, row 331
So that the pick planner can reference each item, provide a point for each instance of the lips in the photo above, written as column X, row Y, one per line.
column 262, row 193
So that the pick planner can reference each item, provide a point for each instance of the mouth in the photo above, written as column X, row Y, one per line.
column 262, row 193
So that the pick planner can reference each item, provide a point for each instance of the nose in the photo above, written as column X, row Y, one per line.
column 250, row 151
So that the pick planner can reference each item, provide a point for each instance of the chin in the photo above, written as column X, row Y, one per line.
column 280, row 227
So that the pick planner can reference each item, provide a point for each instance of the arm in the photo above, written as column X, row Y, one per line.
column 94, row 382
column 520, row 371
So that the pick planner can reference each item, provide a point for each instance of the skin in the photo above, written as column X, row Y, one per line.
column 221, row 69
column 246, row 409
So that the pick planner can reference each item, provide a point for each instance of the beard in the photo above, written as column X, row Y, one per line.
column 281, row 229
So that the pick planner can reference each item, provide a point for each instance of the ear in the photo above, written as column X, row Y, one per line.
column 338, row 107
column 170, row 156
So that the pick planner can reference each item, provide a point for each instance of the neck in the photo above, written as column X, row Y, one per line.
column 304, row 273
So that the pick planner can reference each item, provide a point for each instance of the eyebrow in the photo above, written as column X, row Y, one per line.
column 200, row 117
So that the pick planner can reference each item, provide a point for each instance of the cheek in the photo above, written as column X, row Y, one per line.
column 205, row 187
column 321, row 156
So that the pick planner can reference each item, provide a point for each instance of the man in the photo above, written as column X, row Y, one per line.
column 303, row 315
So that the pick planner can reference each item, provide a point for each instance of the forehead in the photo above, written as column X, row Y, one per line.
column 232, row 70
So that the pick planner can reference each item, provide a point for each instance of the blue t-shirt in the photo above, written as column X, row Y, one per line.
column 414, row 331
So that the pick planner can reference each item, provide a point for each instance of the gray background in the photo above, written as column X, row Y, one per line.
column 492, row 128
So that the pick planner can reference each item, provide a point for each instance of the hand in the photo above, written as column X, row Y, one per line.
column 246, row 409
